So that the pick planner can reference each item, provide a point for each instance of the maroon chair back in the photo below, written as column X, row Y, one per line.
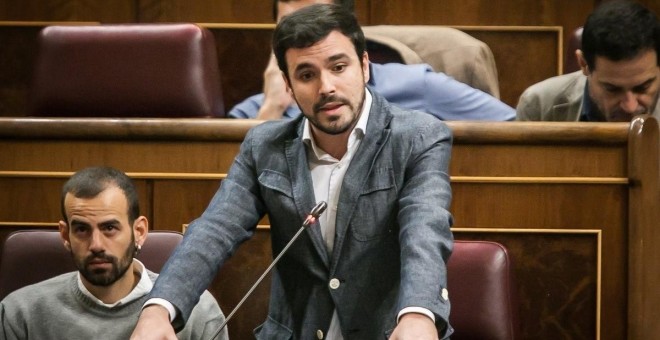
column 482, row 291
column 139, row 70
column 31, row 256
column 574, row 43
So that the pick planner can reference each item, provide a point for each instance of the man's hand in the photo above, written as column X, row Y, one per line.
column 415, row 326
column 277, row 97
column 154, row 323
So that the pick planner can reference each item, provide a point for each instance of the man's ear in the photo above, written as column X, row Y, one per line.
column 582, row 62
column 286, row 81
column 140, row 230
column 64, row 234
column 365, row 67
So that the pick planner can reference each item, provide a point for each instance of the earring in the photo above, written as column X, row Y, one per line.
column 138, row 247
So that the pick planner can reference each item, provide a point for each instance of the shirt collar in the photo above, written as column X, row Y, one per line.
column 359, row 130
column 141, row 289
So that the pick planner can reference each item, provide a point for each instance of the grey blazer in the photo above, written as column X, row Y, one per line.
column 392, row 240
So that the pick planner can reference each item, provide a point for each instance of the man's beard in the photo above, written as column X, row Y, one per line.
column 104, row 277
column 335, row 129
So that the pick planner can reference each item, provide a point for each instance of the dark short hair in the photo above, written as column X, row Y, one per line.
column 89, row 182
column 309, row 25
column 620, row 30
column 348, row 4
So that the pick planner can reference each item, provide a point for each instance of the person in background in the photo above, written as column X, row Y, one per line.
column 620, row 76
column 415, row 87
column 374, row 264
column 103, row 230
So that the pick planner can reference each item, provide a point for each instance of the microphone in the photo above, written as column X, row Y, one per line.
column 311, row 219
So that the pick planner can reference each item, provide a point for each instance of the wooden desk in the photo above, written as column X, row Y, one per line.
column 576, row 204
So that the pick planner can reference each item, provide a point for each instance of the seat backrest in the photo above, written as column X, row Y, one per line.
column 574, row 43
column 482, row 291
column 133, row 70
column 31, row 256
column 446, row 49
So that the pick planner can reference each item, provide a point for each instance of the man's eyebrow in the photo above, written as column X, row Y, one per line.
column 78, row 223
column 645, row 83
column 337, row 57
column 109, row 222
column 330, row 59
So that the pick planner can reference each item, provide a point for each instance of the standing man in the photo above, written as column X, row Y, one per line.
column 374, row 265
column 414, row 87
column 103, row 230
column 620, row 76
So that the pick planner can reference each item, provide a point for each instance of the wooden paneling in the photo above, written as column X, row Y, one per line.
column 68, row 10
column 523, row 55
column 575, row 204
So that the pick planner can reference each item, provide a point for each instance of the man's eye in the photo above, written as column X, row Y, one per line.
column 80, row 230
column 305, row 76
column 339, row 68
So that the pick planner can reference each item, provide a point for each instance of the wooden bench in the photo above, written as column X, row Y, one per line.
column 576, row 204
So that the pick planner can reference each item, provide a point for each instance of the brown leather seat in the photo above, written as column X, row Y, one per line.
column 574, row 43
column 139, row 70
column 31, row 256
column 482, row 291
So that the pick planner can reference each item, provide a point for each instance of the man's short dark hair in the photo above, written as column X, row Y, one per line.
column 619, row 30
column 309, row 25
column 348, row 4
column 89, row 182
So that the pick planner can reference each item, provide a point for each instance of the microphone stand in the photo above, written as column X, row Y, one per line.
column 311, row 219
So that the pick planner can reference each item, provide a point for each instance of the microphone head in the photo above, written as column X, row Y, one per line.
column 318, row 209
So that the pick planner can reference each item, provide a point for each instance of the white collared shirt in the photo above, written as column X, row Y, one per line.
column 327, row 176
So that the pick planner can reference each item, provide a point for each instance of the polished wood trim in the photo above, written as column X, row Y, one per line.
column 234, row 130
column 540, row 180
column 529, row 133
column 47, row 23
column 29, row 224
column 134, row 175
column 249, row 26
column 491, row 28
column 221, row 176
column 122, row 128
column 643, row 231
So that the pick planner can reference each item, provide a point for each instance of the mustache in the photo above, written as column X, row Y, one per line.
column 329, row 99
column 100, row 256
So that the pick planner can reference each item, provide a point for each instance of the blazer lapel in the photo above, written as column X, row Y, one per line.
column 358, row 171
column 302, row 189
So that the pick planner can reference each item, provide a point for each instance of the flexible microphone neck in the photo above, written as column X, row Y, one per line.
column 311, row 219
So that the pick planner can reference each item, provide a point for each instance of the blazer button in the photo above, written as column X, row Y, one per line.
column 319, row 334
column 334, row 284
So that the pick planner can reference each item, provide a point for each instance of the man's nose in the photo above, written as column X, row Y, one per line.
column 630, row 103
column 96, row 242
column 327, row 85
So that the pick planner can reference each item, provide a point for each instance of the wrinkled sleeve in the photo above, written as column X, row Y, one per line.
column 425, row 236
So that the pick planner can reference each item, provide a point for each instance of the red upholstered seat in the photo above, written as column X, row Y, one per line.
column 30, row 256
column 482, row 292
column 139, row 70
column 574, row 43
